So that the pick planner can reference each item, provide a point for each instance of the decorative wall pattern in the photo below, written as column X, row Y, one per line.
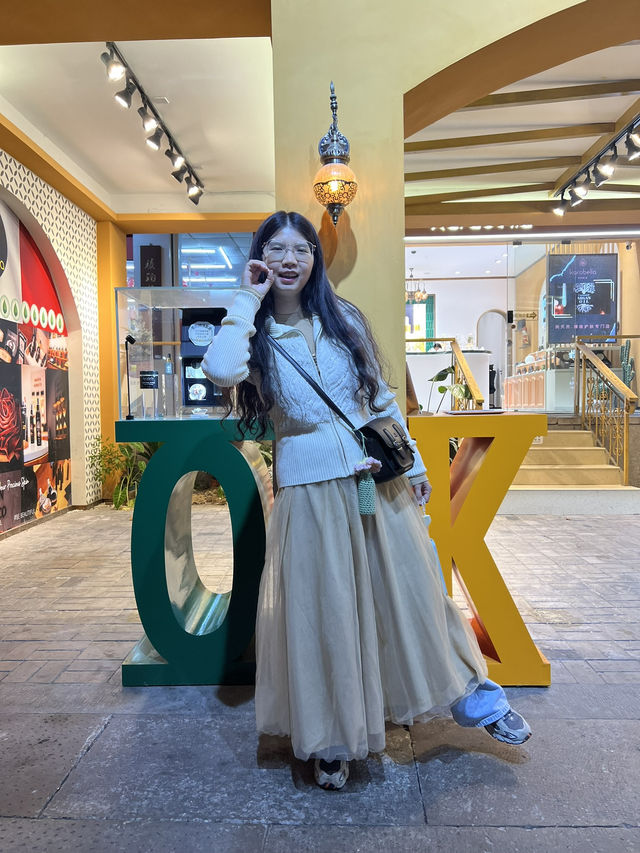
column 73, row 235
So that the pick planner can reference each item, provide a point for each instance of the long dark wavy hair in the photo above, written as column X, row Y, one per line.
column 253, row 402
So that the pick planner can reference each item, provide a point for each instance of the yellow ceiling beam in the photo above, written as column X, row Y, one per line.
column 193, row 223
column 44, row 22
column 463, row 194
column 576, row 31
column 585, row 92
column 616, row 188
column 507, row 208
column 603, row 142
column 494, row 169
column 574, row 131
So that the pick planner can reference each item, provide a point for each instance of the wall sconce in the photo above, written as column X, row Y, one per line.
column 335, row 184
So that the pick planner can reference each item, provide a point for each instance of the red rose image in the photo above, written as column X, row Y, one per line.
column 10, row 427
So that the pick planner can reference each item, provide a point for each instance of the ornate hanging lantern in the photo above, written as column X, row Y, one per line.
column 335, row 184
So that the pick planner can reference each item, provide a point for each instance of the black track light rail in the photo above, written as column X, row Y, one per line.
column 146, row 101
column 584, row 170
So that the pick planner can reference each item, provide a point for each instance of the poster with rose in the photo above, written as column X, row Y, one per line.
column 35, row 467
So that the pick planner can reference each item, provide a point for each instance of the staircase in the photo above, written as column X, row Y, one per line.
column 567, row 458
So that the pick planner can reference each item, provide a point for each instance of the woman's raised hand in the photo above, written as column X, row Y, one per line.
column 258, row 277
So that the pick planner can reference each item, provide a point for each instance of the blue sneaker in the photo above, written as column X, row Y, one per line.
column 512, row 728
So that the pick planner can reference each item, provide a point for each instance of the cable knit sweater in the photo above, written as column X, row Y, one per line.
column 313, row 443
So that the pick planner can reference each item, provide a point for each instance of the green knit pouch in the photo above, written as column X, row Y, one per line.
column 367, row 494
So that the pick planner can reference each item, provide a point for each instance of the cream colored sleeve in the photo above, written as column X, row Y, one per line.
column 226, row 362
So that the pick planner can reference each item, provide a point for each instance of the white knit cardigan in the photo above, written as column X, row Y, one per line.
column 313, row 444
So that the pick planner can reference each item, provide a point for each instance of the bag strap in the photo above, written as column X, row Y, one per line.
column 319, row 391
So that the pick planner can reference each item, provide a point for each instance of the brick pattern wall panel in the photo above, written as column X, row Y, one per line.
column 73, row 235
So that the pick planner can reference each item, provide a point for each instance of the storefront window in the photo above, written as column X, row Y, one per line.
column 206, row 260
column 522, row 304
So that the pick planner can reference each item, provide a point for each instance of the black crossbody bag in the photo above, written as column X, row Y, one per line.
column 384, row 438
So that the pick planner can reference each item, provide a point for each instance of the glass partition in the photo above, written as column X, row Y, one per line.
column 163, row 334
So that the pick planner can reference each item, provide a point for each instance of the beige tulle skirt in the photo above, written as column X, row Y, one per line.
column 354, row 627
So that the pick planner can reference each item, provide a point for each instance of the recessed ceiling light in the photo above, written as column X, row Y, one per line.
column 457, row 272
column 505, row 254
column 475, row 227
column 498, row 260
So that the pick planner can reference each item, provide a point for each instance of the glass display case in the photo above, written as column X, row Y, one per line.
column 163, row 334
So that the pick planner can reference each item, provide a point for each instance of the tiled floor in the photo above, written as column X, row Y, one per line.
column 89, row 765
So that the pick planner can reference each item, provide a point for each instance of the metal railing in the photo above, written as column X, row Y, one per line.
column 469, row 396
column 603, row 401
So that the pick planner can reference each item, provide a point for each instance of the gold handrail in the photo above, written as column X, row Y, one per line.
column 462, row 373
column 465, row 373
column 603, row 401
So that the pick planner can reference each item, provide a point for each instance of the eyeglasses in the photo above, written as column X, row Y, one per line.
column 276, row 251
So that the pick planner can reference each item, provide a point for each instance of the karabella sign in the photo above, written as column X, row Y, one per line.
column 35, row 467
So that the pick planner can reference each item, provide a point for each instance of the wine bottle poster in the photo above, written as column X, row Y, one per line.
column 35, row 467
column 11, row 419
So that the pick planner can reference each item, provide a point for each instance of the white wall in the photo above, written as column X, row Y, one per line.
column 459, row 304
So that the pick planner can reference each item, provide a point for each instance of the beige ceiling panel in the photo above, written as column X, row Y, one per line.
column 220, row 111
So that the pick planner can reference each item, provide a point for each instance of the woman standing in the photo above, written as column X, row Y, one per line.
column 353, row 625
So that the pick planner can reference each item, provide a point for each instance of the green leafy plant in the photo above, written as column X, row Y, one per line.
column 124, row 463
column 459, row 390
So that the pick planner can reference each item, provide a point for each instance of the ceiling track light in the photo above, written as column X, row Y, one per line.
column 179, row 174
column 117, row 68
column 605, row 167
column 633, row 146
column 155, row 139
column 125, row 96
column 561, row 206
column 177, row 159
column 149, row 121
column 600, row 167
column 574, row 198
column 582, row 188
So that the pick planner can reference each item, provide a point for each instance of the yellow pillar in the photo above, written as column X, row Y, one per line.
column 374, row 53
column 112, row 270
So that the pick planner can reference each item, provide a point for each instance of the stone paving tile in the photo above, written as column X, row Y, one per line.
column 115, row 836
column 159, row 767
column 23, row 671
column 49, row 671
column 445, row 839
column 38, row 752
column 583, row 672
column 468, row 779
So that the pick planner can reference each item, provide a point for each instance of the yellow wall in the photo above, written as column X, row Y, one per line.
column 374, row 53
column 112, row 271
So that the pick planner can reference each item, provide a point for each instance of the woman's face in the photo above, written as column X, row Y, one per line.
column 291, row 258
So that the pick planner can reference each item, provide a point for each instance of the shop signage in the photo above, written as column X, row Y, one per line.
column 582, row 296
column 150, row 266
column 35, row 468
